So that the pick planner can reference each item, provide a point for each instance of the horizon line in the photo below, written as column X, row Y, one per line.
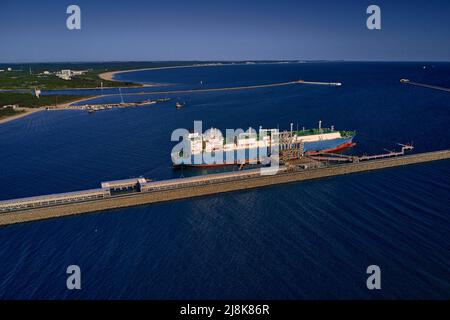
column 217, row 61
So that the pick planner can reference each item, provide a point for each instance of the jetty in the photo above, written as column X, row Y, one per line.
column 185, row 91
column 407, row 81
column 141, row 191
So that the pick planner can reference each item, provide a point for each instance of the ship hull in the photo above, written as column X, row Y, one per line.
column 327, row 146
column 324, row 146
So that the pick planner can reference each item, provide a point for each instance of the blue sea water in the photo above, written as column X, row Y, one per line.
column 309, row 240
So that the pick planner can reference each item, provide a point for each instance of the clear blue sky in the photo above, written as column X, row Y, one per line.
column 35, row 31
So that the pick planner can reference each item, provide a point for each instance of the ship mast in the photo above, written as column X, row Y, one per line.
column 121, row 97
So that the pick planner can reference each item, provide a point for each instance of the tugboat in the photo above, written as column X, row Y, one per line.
column 179, row 105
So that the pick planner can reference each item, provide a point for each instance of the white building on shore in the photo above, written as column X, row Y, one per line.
column 67, row 74
column 10, row 106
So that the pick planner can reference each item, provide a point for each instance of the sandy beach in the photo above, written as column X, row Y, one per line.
column 110, row 75
column 27, row 112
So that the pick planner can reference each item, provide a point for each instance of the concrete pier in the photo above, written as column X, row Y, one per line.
column 143, row 198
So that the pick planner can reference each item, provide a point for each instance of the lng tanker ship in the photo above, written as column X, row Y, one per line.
column 251, row 147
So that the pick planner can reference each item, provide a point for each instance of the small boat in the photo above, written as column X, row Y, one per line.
column 92, row 111
column 179, row 105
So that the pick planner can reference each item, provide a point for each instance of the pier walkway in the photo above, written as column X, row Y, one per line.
column 183, row 188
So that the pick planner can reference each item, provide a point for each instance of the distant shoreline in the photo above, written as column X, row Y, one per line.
column 78, row 88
